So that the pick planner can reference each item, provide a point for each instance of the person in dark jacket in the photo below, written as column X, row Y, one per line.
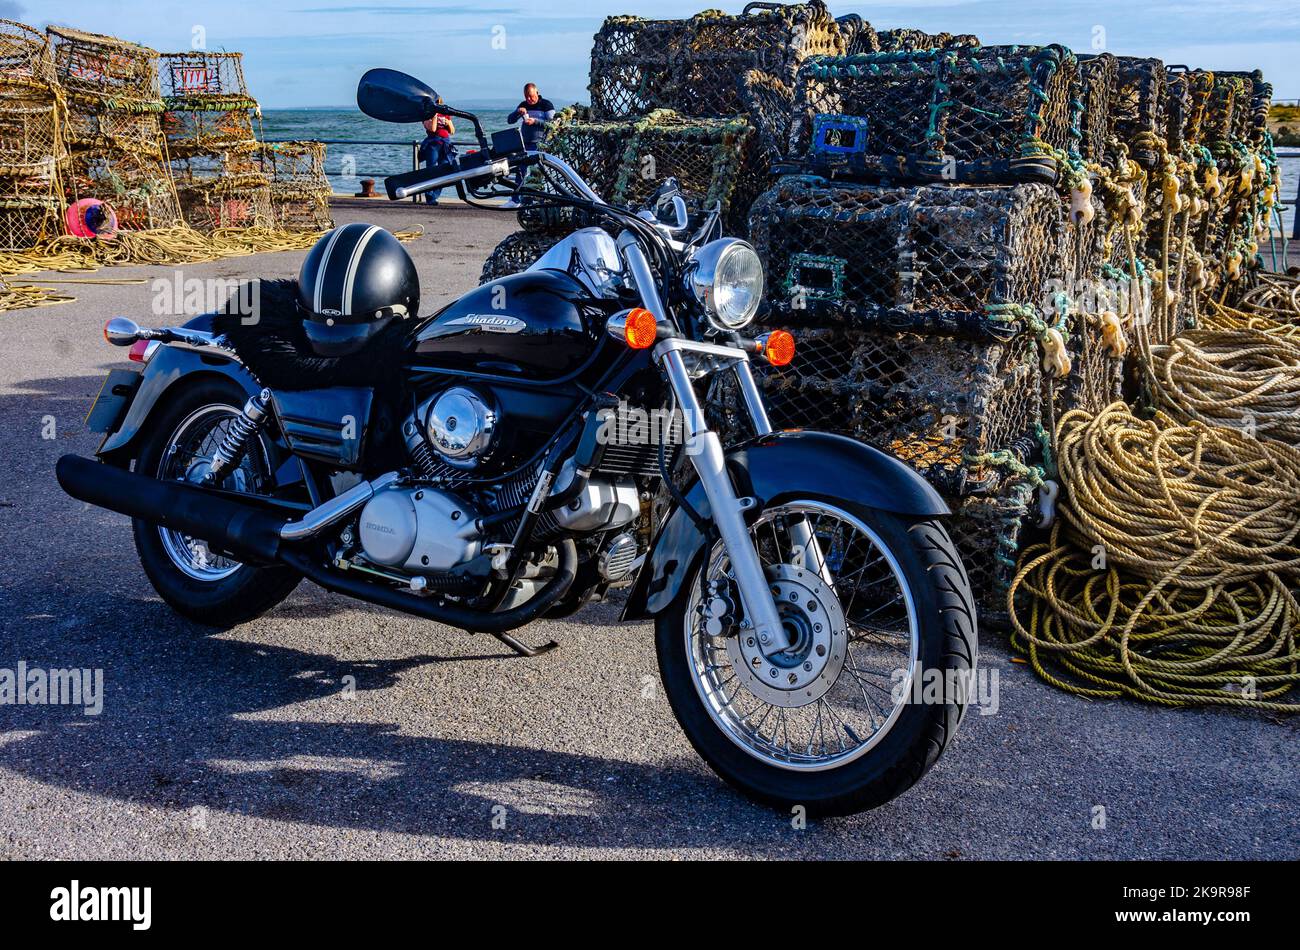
column 536, row 112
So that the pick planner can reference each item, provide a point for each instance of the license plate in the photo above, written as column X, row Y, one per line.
column 111, row 404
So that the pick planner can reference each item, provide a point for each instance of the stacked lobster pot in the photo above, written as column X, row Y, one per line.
column 114, row 127
column 214, row 154
column 1244, row 213
column 1191, row 175
column 665, row 102
column 927, row 240
column 32, row 148
column 300, row 192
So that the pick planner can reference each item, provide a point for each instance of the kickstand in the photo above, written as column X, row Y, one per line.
column 522, row 648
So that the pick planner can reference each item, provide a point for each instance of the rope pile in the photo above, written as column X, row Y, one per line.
column 1243, row 378
column 1172, row 574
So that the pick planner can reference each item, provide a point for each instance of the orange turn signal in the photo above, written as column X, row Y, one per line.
column 641, row 329
column 777, row 347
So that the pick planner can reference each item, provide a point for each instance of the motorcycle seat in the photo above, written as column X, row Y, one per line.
column 275, row 349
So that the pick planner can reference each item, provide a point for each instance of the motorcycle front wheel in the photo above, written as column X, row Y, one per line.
column 884, row 644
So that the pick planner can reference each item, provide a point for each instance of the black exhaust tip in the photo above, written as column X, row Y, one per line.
column 242, row 529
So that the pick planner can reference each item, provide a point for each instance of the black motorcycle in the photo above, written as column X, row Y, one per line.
column 542, row 439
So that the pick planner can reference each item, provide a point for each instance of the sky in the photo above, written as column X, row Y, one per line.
column 301, row 53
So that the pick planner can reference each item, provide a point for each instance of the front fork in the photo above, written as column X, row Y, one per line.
column 705, row 451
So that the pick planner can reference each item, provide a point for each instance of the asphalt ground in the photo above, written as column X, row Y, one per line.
column 328, row 729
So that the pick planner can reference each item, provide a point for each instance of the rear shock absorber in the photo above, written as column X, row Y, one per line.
column 232, row 448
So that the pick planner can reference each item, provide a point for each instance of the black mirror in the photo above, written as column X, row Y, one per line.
column 390, row 96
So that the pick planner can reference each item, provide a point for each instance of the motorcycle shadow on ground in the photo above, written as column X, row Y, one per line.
column 189, row 724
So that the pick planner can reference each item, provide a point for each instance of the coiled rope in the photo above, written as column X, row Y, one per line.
column 1172, row 576
column 1172, row 573
column 1245, row 378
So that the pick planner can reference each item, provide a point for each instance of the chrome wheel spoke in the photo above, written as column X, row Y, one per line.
column 191, row 448
column 825, row 701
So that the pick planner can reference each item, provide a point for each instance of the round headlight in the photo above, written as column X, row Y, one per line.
column 727, row 279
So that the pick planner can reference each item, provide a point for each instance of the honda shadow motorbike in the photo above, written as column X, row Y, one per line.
column 473, row 467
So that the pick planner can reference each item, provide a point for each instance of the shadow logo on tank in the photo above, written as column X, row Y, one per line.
column 489, row 322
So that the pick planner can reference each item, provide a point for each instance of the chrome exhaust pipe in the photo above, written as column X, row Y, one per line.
column 334, row 510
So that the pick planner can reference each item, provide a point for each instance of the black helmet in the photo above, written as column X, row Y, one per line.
column 353, row 283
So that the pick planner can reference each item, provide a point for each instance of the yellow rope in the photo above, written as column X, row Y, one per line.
column 1242, row 378
column 179, row 245
column 1172, row 571
column 1171, row 575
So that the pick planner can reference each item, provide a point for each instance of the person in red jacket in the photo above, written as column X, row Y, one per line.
column 437, row 147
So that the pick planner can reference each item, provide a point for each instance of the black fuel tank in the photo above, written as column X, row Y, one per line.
column 539, row 325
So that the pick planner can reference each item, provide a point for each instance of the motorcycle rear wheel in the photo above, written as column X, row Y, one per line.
column 842, row 722
column 199, row 584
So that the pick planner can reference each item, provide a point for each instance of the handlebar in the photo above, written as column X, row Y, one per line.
column 421, row 180
column 424, row 179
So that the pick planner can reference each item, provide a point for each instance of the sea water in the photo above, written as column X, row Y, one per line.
column 346, row 165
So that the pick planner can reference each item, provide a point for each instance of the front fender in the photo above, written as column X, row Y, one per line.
column 773, row 469
column 168, row 366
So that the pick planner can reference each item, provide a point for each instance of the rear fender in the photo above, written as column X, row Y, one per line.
column 167, row 368
column 773, row 469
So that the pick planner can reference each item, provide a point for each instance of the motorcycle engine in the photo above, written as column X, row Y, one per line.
column 419, row 529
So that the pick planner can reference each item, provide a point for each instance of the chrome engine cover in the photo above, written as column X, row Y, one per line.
column 461, row 426
column 419, row 529
column 601, row 505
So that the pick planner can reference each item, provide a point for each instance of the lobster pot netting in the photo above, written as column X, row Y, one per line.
column 1245, row 99
column 995, row 114
column 893, row 41
column 139, row 188
column 1178, row 106
column 516, row 252
column 30, row 145
column 626, row 161
column 1196, row 90
column 195, row 131
column 294, row 163
column 26, row 221
column 110, row 131
column 858, row 35
column 105, row 72
column 988, row 532
column 928, row 258
column 203, row 75
column 300, row 191
column 1097, row 78
column 24, row 55
column 692, row 65
column 940, row 404
column 1139, row 100
column 769, row 103
column 225, row 190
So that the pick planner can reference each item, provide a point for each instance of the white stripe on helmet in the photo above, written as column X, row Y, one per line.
column 324, row 262
column 352, row 267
